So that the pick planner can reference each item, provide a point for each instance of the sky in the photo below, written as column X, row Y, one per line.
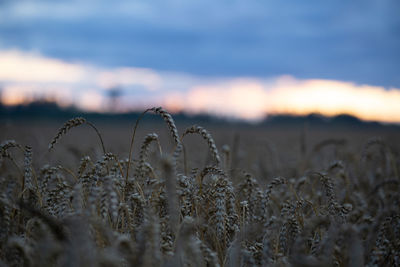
column 233, row 58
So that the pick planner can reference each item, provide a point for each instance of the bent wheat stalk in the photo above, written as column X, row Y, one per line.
column 171, row 125
column 75, row 122
column 195, row 129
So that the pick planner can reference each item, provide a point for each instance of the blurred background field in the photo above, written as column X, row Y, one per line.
column 281, row 145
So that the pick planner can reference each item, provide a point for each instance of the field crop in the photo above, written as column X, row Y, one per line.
column 195, row 199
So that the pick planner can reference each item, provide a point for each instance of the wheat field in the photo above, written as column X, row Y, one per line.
column 166, row 196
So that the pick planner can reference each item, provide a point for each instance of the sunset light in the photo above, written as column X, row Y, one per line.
column 86, row 86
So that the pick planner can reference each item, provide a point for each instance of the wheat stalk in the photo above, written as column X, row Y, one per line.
column 72, row 123
column 170, row 123
column 207, row 137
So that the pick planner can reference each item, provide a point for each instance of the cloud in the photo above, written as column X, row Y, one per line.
column 31, row 67
column 91, row 100
column 238, row 98
column 128, row 77
column 254, row 99
column 28, row 76
column 25, row 77
column 337, row 40
column 334, row 97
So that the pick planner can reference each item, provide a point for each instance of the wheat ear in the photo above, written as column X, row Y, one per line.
column 171, row 125
column 144, row 151
column 75, row 122
column 195, row 129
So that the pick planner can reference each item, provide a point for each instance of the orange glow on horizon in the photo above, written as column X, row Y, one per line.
column 26, row 77
column 252, row 99
column 12, row 97
column 91, row 101
column 238, row 98
column 334, row 97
